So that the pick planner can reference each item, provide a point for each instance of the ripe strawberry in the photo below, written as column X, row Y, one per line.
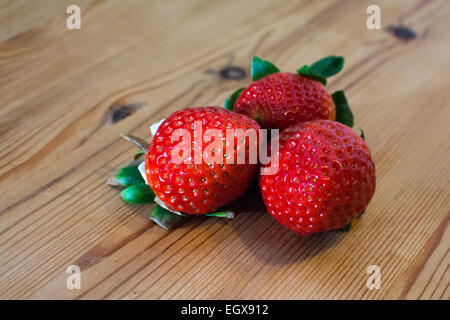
column 199, row 188
column 282, row 99
column 326, row 177
column 278, row 100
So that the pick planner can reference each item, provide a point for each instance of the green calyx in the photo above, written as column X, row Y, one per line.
column 138, row 194
column 362, row 134
column 164, row 218
column 318, row 71
column 140, row 143
column 167, row 219
column 306, row 71
column 221, row 214
column 138, row 154
column 126, row 177
column 322, row 69
column 229, row 103
column 261, row 68
column 347, row 227
column 343, row 112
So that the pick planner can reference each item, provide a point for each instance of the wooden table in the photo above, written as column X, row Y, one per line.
column 65, row 96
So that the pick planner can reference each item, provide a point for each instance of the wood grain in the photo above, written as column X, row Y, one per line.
column 59, row 95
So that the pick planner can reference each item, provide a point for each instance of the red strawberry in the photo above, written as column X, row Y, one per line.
column 326, row 177
column 282, row 99
column 203, row 187
column 278, row 100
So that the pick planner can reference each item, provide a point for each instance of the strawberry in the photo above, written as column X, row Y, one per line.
column 283, row 99
column 326, row 177
column 279, row 100
column 192, row 187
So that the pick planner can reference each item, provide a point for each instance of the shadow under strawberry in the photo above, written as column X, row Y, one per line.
column 268, row 240
column 250, row 204
column 274, row 244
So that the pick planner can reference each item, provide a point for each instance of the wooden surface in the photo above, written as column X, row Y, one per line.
column 60, row 91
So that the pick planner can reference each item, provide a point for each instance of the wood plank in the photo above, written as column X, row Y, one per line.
column 57, row 90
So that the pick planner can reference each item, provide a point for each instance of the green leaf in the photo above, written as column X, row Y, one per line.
column 347, row 227
column 323, row 68
column 327, row 66
column 222, row 214
column 138, row 154
column 306, row 71
column 128, row 176
column 343, row 113
column 261, row 68
column 138, row 194
column 229, row 103
column 362, row 134
column 164, row 218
